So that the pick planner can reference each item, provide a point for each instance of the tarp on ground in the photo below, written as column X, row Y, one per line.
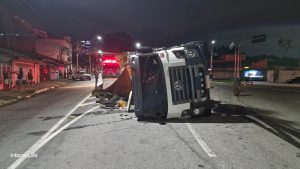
column 122, row 86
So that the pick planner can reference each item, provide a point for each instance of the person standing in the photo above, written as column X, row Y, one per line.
column 20, row 77
column 6, row 80
column 30, row 77
column 96, row 73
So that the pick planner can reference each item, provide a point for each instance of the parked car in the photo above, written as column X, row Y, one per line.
column 82, row 75
column 295, row 80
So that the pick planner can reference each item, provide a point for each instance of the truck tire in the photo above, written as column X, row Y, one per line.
column 207, row 111
column 140, row 118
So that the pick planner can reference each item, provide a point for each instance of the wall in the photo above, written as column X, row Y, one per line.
column 26, row 65
column 285, row 75
column 262, row 64
column 3, row 66
column 53, row 48
column 25, row 43
column 270, row 75
column 223, row 74
column 55, row 72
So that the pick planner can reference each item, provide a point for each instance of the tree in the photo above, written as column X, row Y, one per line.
column 224, row 49
column 285, row 44
column 118, row 42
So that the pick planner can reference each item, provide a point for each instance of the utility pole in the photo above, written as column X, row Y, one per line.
column 99, row 38
column 211, row 58
column 90, row 63
column 238, row 59
column 77, row 56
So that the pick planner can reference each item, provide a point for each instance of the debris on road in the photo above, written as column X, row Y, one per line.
column 114, row 96
column 122, row 104
column 122, row 86
column 126, row 116
column 71, row 117
column 108, row 99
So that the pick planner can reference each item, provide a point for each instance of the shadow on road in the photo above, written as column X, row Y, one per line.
column 228, row 113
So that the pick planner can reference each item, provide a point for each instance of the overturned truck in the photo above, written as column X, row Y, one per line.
column 170, row 83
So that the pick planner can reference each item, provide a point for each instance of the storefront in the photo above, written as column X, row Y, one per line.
column 26, row 65
column 5, row 65
column 51, row 72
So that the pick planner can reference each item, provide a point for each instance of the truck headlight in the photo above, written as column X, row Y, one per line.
column 179, row 54
column 196, row 112
column 191, row 53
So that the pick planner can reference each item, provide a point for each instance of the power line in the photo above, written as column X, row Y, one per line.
column 37, row 13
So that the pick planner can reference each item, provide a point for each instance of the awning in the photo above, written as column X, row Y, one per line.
column 28, row 55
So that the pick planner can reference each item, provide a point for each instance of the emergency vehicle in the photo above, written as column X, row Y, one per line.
column 111, row 66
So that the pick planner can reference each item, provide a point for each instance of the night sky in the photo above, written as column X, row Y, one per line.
column 154, row 22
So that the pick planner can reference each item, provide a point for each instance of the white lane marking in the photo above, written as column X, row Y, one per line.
column 90, row 98
column 86, row 104
column 49, row 132
column 45, row 141
column 208, row 151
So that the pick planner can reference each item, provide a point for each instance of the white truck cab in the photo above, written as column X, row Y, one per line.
column 170, row 83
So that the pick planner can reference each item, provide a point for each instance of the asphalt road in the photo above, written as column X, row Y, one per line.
column 277, row 107
column 235, row 136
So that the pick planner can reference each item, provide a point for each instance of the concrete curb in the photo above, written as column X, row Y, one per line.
column 33, row 94
column 279, row 86
column 275, row 85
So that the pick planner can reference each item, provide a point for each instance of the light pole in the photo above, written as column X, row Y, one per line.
column 77, row 55
column 211, row 58
column 138, row 45
column 238, row 59
column 99, row 38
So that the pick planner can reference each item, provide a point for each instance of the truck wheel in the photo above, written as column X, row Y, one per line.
column 207, row 111
column 140, row 118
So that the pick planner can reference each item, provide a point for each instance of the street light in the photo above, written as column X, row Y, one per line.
column 100, row 52
column 238, row 60
column 138, row 45
column 211, row 57
column 99, row 37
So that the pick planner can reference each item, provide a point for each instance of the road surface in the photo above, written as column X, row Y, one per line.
column 235, row 136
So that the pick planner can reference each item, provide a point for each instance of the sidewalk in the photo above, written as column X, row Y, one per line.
column 272, row 84
column 262, row 84
column 28, row 91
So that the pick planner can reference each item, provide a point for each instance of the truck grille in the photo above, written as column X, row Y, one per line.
column 187, row 84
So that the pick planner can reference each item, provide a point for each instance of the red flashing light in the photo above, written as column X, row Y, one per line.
column 109, row 61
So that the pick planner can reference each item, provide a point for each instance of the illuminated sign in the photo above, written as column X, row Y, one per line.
column 254, row 74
